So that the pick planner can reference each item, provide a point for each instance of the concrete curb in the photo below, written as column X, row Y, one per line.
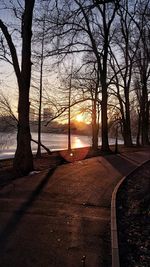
column 114, row 232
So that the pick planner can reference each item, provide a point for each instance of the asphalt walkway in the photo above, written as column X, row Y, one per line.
column 62, row 218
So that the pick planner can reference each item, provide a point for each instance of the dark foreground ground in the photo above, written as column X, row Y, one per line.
column 134, row 219
column 61, row 216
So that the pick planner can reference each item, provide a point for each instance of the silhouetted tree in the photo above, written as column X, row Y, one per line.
column 86, row 27
column 142, row 68
column 23, row 161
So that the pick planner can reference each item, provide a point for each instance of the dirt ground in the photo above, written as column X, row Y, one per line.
column 133, row 209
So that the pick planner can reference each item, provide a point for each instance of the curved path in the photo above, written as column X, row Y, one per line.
column 62, row 219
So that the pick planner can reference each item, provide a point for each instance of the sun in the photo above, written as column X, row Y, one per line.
column 79, row 118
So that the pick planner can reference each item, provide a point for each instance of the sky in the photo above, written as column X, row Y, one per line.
column 8, row 83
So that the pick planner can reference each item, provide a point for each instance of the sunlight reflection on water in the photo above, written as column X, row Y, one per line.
column 51, row 140
column 77, row 142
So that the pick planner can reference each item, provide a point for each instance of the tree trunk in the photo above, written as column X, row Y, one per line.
column 94, row 126
column 138, row 130
column 104, row 86
column 23, row 161
column 46, row 148
column 145, row 115
column 127, row 134
column 127, row 125
column 104, row 132
column 38, row 154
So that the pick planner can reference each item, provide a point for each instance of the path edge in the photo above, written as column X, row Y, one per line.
column 114, row 230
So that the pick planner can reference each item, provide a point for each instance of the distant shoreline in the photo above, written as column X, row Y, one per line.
column 53, row 141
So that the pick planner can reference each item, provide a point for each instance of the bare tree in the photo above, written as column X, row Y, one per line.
column 40, row 41
column 142, row 69
column 123, row 65
column 87, row 82
column 86, row 27
column 23, row 161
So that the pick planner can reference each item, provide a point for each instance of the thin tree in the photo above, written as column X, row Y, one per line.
column 69, row 112
column 38, row 154
column 87, row 82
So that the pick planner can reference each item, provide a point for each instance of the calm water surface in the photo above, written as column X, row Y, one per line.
column 52, row 141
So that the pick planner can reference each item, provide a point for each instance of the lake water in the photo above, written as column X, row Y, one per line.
column 51, row 140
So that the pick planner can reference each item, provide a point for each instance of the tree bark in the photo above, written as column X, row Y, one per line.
column 127, row 134
column 103, row 78
column 38, row 154
column 23, row 161
column 104, row 132
column 127, row 123
column 139, row 129
column 46, row 148
column 94, row 126
column 145, row 115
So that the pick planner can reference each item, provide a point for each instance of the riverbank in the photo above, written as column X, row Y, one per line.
column 59, row 157
column 46, row 162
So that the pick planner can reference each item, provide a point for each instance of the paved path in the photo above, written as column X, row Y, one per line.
column 62, row 219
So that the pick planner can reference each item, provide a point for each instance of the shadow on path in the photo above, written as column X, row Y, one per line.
column 19, row 213
column 121, row 164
